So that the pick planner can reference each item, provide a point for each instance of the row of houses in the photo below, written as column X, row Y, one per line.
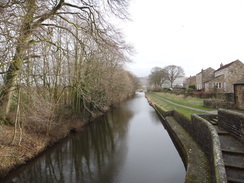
column 220, row 80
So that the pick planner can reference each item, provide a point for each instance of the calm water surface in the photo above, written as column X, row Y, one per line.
column 127, row 145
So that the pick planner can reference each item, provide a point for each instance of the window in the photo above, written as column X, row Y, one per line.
column 217, row 85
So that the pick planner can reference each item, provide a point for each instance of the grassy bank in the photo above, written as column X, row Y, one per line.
column 179, row 99
column 33, row 143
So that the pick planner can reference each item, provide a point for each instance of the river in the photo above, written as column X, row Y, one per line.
column 127, row 145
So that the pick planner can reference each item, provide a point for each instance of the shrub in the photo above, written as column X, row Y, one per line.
column 38, row 112
column 167, row 89
column 192, row 87
column 199, row 94
column 209, row 95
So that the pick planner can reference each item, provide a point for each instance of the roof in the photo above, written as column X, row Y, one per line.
column 214, row 78
column 203, row 70
column 241, row 81
column 227, row 65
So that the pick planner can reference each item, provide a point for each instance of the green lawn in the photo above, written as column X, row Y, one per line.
column 181, row 99
column 188, row 101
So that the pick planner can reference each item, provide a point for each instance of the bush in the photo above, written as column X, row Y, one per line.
column 193, row 87
column 38, row 112
column 209, row 95
column 167, row 89
column 200, row 94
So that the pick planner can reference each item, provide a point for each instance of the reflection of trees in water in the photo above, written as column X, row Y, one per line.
column 94, row 155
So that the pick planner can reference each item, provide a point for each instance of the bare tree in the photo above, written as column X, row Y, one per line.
column 157, row 77
column 25, row 24
column 173, row 72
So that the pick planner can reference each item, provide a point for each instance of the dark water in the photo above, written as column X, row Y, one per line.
column 127, row 145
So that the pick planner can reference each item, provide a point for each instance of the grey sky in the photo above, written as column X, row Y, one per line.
column 194, row 34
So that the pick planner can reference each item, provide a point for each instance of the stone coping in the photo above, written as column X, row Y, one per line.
column 196, row 162
column 217, row 157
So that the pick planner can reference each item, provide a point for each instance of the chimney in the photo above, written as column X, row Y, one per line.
column 221, row 65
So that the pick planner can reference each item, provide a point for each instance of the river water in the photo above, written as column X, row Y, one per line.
column 127, row 145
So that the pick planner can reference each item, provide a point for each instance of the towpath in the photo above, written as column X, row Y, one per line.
column 187, row 107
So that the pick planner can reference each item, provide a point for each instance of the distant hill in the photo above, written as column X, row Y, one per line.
column 143, row 81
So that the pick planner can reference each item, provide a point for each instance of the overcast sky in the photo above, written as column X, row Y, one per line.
column 193, row 34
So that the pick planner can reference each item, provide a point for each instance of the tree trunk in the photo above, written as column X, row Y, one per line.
column 17, row 62
column 10, row 83
column 17, row 122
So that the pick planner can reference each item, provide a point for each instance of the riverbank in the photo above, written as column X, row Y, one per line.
column 187, row 106
column 197, row 143
column 107, row 151
column 34, row 143
column 195, row 161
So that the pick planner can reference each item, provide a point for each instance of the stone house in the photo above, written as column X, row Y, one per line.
column 190, row 81
column 239, row 93
column 204, row 76
column 225, row 77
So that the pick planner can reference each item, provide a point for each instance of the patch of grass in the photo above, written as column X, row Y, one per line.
column 181, row 99
column 168, row 107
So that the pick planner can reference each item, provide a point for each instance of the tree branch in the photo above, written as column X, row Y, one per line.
column 31, row 56
column 65, row 19
column 78, row 7
column 47, row 15
column 65, row 28
column 3, row 72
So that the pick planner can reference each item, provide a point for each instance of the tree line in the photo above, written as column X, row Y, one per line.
column 60, row 54
column 169, row 73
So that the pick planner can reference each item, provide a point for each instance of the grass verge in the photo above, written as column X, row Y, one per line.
column 168, row 107
column 181, row 99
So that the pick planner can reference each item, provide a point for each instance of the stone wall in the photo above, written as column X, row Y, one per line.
column 233, row 122
column 208, row 74
column 199, row 81
column 203, row 76
column 221, row 72
column 226, row 96
column 208, row 117
column 209, row 86
column 239, row 96
column 216, row 104
column 235, row 73
column 190, row 81
column 207, row 138
column 227, row 75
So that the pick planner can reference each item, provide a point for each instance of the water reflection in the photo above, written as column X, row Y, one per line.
column 126, row 145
